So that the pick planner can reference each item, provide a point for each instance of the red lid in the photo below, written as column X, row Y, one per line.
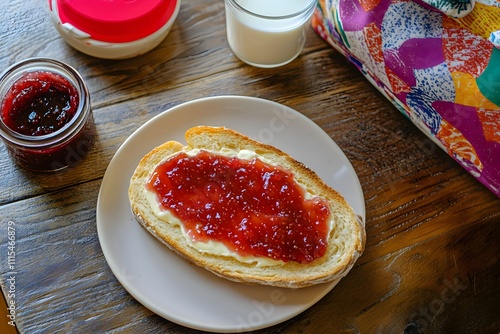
column 116, row 21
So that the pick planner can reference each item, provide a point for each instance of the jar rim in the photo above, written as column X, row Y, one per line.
column 15, row 71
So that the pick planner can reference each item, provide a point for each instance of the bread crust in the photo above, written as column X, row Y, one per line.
column 346, row 241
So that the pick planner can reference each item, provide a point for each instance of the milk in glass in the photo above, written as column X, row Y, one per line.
column 267, row 33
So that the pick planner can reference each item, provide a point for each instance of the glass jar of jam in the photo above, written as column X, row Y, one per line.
column 46, row 120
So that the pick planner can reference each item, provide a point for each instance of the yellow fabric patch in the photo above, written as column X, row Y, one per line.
column 483, row 20
column 467, row 93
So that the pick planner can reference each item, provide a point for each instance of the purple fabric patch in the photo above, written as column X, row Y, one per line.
column 465, row 119
column 394, row 62
column 354, row 17
column 420, row 53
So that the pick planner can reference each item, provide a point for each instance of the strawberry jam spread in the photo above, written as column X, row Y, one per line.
column 253, row 208
column 39, row 103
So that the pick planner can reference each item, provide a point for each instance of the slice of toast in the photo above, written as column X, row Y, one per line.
column 345, row 242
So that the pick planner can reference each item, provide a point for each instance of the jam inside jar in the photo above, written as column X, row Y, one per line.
column 46, row 120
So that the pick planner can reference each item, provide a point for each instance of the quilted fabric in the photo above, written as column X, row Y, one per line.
column 438, row 61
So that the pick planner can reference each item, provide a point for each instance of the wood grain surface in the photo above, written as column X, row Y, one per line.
column 431, row 263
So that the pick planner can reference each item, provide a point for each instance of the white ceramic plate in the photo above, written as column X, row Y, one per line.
column 175, row 289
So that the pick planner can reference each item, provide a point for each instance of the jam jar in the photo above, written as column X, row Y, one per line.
column 46, row 119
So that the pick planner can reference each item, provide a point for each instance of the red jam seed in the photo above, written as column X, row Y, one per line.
column 39, row 103
column 253, row 208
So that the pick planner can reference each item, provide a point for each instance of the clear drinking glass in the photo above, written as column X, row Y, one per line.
column 268, row 33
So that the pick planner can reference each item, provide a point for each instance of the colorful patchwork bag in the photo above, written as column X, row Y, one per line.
column 438, row 61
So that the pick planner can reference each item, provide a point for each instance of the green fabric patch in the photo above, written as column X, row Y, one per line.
column 489, row 81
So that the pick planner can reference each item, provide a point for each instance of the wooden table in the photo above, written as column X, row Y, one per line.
column 431, row 259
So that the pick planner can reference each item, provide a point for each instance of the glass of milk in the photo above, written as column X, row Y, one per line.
column 268, row 33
